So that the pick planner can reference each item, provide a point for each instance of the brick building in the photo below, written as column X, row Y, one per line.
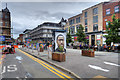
column 5, row 25
column 110, row 8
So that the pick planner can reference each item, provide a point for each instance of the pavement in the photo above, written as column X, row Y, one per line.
column 103, row 65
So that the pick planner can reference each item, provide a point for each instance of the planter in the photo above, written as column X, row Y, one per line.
column 58, row 56
column 88, row 53
column 41, row 49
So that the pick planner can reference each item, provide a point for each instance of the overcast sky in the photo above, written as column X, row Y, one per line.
column 27, row 15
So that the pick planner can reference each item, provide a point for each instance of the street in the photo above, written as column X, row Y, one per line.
column 23, row 65
column 103, row 65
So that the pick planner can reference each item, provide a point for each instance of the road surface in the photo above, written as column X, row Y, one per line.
column 23, row 65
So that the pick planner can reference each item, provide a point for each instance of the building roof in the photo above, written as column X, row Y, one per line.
column 27, row 30
column 5, row 10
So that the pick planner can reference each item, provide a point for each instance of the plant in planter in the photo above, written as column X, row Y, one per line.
column 88, row 52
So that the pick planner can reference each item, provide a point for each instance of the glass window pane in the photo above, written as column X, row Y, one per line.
column 107, row 11
column 95, row 19
column 116, row 9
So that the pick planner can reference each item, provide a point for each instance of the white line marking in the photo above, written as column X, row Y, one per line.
column 112, row 64
column 12, row 68
column 4, row 70
column 98, row 68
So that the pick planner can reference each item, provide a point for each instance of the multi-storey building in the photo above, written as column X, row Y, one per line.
column 93, row 22
column 110, row 8
column 44, row 31
column 73, row 24
column 5, row 25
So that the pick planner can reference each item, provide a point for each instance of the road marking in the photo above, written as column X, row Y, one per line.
column 98, row 68
column 11, row 68
column 109, row 63
column 99, row 77
column 4, row 70
column 55, row 71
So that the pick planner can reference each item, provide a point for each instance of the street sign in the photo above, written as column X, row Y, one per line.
column 2, row 38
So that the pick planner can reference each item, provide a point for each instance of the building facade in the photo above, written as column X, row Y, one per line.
column 26, row 35
column 5, row 25
column 73, row 24
column 43, row 31
column 110, row 8
column 92, row 22
column 91, row 19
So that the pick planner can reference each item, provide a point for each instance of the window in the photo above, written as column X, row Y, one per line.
column 72, row 29
column 6, row 23
column 1, row 23
column 71, row 21
column 107, row 11
column 106, row 23
column 95, row 27
column 66, row 30
column 6, row 16
column 85, row 14
column 95, row 11
column 85, row 21
column 1, row 15
column 86, row 28
column 116, row 9
column 95, row 19
column 78, row 20
column 77, row 27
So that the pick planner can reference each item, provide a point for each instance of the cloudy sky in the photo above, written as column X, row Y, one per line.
column 27, row 15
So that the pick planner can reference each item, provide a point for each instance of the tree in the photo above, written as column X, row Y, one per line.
column 68, row 38
column 112, row 31
column 81, row 37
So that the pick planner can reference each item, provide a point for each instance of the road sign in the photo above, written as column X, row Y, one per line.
column 2, row 38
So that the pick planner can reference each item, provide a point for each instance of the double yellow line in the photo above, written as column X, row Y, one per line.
column 50, row 68
column 2, row 58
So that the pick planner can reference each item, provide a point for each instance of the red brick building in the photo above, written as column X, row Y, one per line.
column 5, row 25
column 110, row 8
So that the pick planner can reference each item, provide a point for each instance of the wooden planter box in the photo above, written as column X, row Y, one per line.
column 88, row 53
column 58, row 56
column 41, row 49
